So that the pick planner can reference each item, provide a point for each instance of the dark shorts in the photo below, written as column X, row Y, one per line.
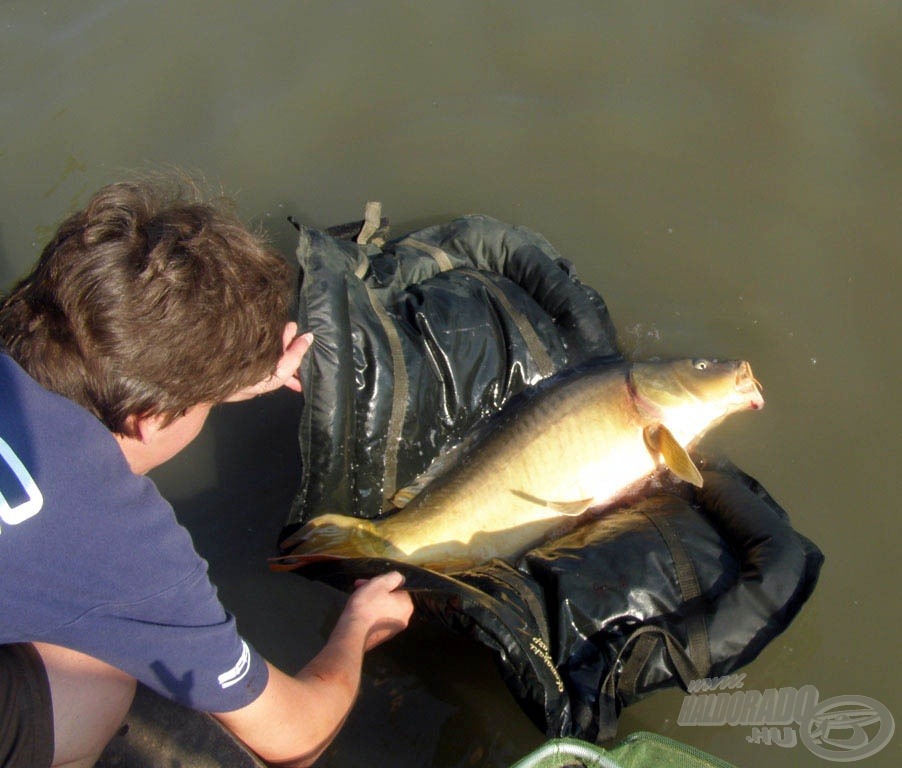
column 26, row 712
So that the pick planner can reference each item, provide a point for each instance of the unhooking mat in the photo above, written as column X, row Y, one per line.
column 420, row 339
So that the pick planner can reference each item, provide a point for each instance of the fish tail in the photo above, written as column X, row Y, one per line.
column 331, row 537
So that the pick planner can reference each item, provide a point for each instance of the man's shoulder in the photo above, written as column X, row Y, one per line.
column 68, row 494
column 27, row 409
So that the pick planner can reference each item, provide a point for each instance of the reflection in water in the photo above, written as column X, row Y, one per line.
column 727, row 177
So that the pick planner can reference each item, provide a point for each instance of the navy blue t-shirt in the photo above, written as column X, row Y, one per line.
column 94, row 559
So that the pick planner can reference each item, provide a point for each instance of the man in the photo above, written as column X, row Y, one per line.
column 144, row 311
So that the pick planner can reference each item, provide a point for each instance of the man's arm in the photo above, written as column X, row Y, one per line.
column 296, row 718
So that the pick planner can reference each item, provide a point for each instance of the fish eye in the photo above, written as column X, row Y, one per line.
column 700, row 365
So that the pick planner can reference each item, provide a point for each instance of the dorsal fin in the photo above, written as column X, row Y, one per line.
column 449, row 456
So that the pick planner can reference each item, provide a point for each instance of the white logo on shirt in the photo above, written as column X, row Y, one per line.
column 236, row 673
column 34, row 499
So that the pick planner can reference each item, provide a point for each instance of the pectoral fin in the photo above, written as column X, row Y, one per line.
column 660, row 440
column 567, row 508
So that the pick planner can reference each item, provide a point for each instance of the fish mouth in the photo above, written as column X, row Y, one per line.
column 748, row 387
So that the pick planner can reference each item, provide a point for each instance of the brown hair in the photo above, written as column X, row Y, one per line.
column 148, row 302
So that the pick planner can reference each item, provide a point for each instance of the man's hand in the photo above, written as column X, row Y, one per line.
column 381, row 605
column 286, row 375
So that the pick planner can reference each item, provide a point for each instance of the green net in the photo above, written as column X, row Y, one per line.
column 638, row 750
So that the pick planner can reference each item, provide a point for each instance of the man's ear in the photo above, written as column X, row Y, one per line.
column 144, row 427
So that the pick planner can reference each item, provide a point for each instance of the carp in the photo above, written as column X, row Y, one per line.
column 580, row 443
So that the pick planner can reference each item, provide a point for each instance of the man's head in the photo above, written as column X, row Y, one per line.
column 147, row 303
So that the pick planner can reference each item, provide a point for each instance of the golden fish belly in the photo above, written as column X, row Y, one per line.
column 577, row 447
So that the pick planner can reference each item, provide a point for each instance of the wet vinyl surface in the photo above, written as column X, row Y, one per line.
column 728, row 176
